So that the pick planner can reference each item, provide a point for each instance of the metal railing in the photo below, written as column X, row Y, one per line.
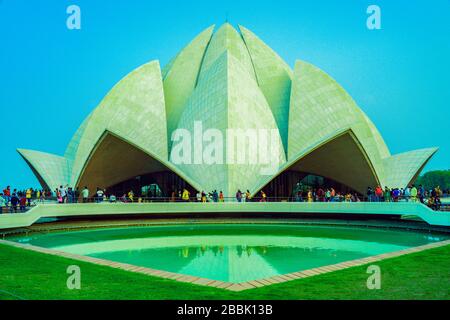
column 437, row 205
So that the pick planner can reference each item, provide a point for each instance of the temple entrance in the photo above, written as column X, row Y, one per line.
column 157, row 186
column 119, row 167
column 287, row 185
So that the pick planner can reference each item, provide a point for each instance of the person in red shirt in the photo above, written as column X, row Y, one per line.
column 321, row 195
column 378, row 193
column 7, row 194
column 23, row 202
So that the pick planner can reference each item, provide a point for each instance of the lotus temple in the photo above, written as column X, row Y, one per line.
column 227, row 79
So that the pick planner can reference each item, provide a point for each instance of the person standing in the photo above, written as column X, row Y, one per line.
column 7, row 194
column 76, row 195
column 28, row 194
column 396, row 194
column 310, row 196
column 321, row 195
column 85, row 194
column 407, row 193
column 421, row 192
column 248, row 196
column 387, row 194
column 328, row 195
column 369, row 194
column 239, row 196
column 413, row 193
column 378, row 194
column 2, row 203
column 112, row 198
column 63, row 194
column 100, row 194
column 23, row 201
column 332, row 195
column 131, row 196
column 437, row 197
column 263, row 196
column 215, row 196
column 221, row 197
column 186, row 195
column 14, row 202
column 69, row 195
column 203, row 197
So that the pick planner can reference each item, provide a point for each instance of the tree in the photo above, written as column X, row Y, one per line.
column 432, row 179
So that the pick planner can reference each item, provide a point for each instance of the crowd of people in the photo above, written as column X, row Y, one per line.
column 20, row 200
column 432, row 197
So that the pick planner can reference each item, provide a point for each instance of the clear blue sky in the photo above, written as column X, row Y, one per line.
column 52, row 77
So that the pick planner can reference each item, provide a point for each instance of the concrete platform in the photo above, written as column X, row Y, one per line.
column 317, row 209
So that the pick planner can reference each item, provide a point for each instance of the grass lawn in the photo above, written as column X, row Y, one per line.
column 31, row 275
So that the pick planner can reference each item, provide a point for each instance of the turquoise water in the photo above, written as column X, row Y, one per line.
column 232, row 252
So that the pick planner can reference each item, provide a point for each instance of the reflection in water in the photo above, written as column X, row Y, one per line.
column 187, row 252
column 233, row 253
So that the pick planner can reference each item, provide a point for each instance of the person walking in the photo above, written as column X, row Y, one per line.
column 221, row 197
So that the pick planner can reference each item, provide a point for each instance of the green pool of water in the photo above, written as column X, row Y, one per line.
column 231, row 252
